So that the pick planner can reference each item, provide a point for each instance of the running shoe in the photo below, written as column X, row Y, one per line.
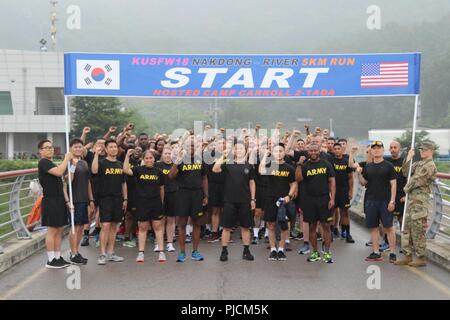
column 314, row 256
column 336, row 232
column 140, row 257
column 85, row 241
column 305, row 249
column 214, row 237
column 196, row 256
column 101, row 260
column 319, row 237
column 54, row 264
column 255, row 240
column 287, row 246
column 299, row 237
column 349, row 239
column 84, row 259
column 374, row 257
column 77, row 260
column 63, row 262
column 115, row 258
column 129, row 244
column 392, row 257
column 281, row 256
column 384, row 247
column 273, row 256
column 162, row 257
column 248, row 256
column 224, row 256
column 181, row 257
column 327, row 257
column 170, row 247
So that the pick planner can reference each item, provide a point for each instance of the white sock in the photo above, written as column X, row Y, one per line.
column 266, row 234
column 188, row 229
column 261, row 224
column 255, row 232
column 57, row 255
column 273, row 249
column 208, row 227
column 280, row 249
column 287, row 241
column 51, row 255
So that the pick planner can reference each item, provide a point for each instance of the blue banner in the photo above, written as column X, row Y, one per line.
column 241, row 76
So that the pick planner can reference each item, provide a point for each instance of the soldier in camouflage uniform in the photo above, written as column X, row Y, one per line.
column 418, row 190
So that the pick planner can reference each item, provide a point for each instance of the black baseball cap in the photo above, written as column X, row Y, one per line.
column 377, row 143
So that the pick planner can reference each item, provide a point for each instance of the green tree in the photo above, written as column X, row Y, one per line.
column 421, row 136
column 100, row 113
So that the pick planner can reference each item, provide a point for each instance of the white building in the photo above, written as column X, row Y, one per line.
column 440, row 136
column 31, row 101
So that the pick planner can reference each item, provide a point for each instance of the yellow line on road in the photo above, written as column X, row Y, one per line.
column 22, row 284
column 435, row 283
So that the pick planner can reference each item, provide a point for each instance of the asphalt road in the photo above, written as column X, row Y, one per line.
column 295, row 278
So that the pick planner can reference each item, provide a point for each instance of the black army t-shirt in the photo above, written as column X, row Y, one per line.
column 378, row 176
column 237, row 178
column 110, row 178
column 190, row 173
column 401, row 179
column 52, row 186
column 94, row 181
column 341, row 170
column 315, row 177
column 148, row 181
column 170, row 185
column 279, row 179
column 215, row 178
column 80, row 180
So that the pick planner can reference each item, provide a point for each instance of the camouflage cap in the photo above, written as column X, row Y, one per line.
column 428, row 145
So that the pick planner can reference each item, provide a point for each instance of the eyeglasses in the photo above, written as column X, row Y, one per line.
column 47, row 148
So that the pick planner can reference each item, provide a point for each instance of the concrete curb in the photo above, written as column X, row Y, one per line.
column 437, row 251
column 15, row 250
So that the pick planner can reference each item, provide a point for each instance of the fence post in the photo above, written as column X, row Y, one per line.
column 437, row 211
column 14, row 207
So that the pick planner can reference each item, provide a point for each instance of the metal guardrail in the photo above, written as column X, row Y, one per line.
column 16, row 201
column 439, row 217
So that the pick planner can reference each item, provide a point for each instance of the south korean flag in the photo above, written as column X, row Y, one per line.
column 98, row 74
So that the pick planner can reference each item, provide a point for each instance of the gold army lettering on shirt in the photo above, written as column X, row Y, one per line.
column 314, row 172
column 148, row 177
column 398, row 169
column 116, row 171
column 191, row 167
column 166, row 171
column 279, row 173
column 340, row 167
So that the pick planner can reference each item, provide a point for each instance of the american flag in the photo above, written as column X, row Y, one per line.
column 384, row 74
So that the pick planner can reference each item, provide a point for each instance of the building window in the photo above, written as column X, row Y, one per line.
column 5, row 103
column 50, row 101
